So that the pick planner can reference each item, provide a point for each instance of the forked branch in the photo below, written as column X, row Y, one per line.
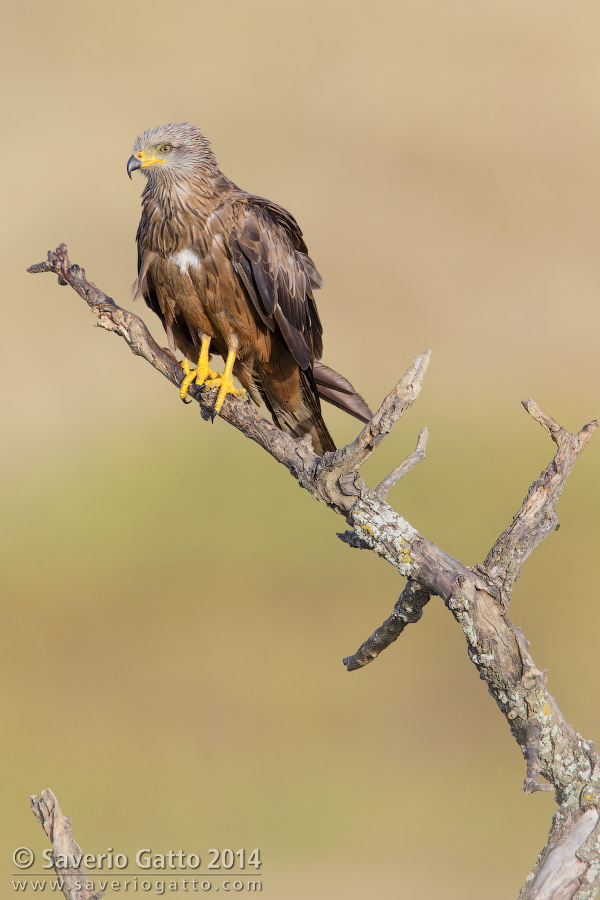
column 569, row 865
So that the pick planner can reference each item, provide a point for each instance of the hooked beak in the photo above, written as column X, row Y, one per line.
column 141, row 159
column 133, row 163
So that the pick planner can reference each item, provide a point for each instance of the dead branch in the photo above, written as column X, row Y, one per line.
column 72, row 879
column 407, row 611
column 478, row 598
column 537, row 518
column 417, row 456
column 351, row 457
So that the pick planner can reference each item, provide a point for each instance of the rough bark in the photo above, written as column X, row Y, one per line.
column 478, row 598
column 72, row 879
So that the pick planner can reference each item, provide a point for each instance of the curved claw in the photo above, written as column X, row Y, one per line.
column 200, row 373
column 226, row 388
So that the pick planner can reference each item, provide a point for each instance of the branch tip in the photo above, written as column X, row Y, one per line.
column 59, row 828
column 417, row 456
column 407, row 610
column 537, row 517
column 536, row 412
column 350, row 458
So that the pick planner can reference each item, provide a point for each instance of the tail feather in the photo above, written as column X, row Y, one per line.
column 337, row 390
column 293, row 399
column 300, row 417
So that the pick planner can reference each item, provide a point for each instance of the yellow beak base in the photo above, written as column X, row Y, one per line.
column 141, row 159
column 147, row 159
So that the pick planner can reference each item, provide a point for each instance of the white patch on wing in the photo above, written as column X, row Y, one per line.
column 186, row 258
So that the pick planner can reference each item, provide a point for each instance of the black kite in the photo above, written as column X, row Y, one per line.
column 228, row 273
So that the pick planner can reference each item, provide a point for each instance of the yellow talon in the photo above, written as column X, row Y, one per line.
column 200, row 373
column 225, row 384
column 189, row 377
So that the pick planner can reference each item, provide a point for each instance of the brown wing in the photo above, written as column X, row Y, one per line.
column 269, row 256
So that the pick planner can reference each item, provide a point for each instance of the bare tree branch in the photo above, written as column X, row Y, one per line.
column 71, row 878
column 351, row 457
column 408, row 609
column 417, row 456
column 536, row 519
column 477, row 598
column 569, row 858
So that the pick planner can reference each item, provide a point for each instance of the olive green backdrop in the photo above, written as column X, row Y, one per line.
column 175, row 608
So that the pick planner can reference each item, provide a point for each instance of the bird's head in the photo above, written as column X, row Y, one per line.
column 171, row 151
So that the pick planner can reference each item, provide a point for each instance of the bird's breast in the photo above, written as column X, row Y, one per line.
column 186, row 259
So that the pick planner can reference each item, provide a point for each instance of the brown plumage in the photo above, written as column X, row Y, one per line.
column 215, row 262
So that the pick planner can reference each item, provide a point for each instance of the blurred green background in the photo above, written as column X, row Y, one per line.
column 176, row 609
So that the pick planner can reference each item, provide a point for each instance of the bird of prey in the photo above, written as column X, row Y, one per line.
column 228, row 273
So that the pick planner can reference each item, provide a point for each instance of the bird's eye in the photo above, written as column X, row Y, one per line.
column 165, row 148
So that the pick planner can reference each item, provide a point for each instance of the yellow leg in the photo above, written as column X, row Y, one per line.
column 225, row 384
column 200, row 373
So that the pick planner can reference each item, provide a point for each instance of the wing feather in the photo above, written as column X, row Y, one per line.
column 243, row 268
column 269, row 256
